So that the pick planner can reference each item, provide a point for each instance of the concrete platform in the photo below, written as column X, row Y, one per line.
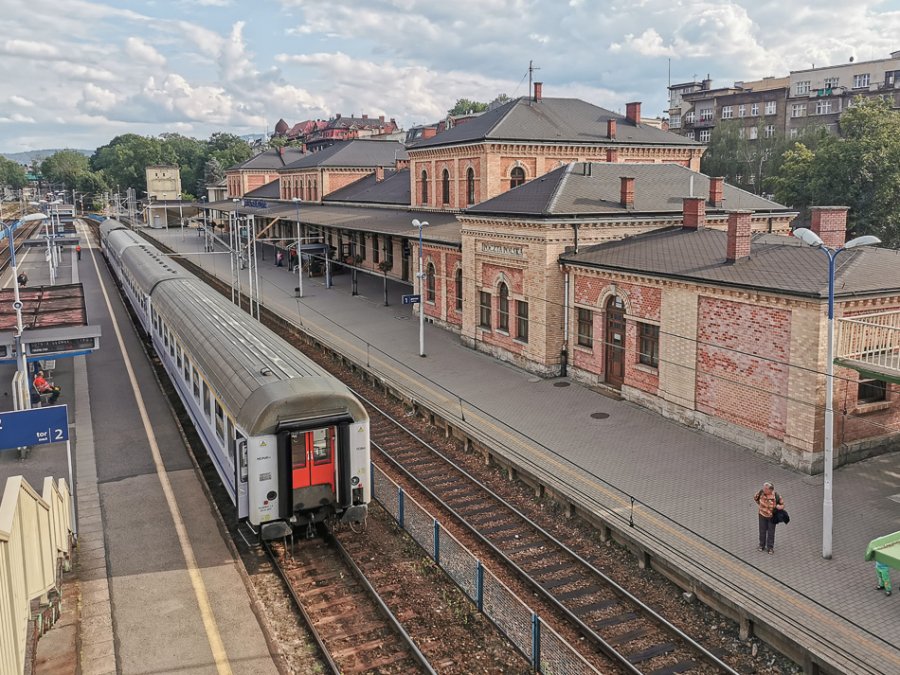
column 693, row 492
column 160, row 588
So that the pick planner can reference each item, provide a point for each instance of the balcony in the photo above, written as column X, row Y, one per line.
column 870, row 344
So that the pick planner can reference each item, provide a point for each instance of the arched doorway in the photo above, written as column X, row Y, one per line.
column 615, row 342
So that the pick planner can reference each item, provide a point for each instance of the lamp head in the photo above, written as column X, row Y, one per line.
column 808, row 237
column 418, row 224
column 31, row 217
column 865, row 240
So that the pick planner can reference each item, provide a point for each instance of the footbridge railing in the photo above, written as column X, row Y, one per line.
column 870, row 342
column 35, row 535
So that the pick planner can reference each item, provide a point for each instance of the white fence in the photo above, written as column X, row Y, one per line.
column 34, row 536
column 872, row 339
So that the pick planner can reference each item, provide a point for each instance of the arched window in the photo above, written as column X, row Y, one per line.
column 459, row 290
column 429, row 283
column 503, row 307
column 445, row 187
column 516, row 177
column 424, row 187
column 470, row 186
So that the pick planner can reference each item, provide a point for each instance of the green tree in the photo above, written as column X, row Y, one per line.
column 62, row 168
column 190, row 156
column 228, row 149
column 747, row 157
column 12, row 174
column 124, row 159
column 464, row 106
column 860, row 169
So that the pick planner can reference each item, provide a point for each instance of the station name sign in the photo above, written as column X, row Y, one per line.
column 499, row 249
column 256, row 204
column 60, row 346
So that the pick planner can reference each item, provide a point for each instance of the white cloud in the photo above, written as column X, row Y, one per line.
column 29, row 49
column 20, row 101
column 17, row 118
column 96, row 99
column 141, row 51
column 78, row 71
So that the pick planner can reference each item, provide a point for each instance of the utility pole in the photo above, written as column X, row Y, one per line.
column 531, row 70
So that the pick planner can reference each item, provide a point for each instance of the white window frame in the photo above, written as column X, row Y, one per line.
column 689, row 117
column 823, row 107
column 742, row 110
column 769, row 130
column 704, row 136
column 798, row 110
column 793, row 133
column 727, row 112
column 803, row 87
column 831, row 82
column 771, row 107
column 675, row 122
column 754, row 133
column 754, row 110
column 861, row 81
column 706, row 114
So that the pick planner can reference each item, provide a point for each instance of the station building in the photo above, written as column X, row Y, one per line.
column 570, row 240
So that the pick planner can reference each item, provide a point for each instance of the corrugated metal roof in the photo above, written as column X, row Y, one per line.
column 360, row 152
column 553, row 120
column 776, row 263
column 594, row 188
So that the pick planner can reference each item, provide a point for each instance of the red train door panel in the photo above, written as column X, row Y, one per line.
column 312, row 456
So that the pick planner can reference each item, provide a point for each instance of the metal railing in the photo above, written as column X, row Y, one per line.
column 546, row 649
column 872, row 339
column 34, row 537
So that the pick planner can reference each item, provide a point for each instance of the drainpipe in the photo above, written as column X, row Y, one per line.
column 564, row 352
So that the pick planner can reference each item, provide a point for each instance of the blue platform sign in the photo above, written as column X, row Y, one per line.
column 412, row 299
column 34, row 427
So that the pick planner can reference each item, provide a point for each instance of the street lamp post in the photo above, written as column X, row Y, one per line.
column 812, row 239
column 21, row 364
column 296, row 201
column 421, row 275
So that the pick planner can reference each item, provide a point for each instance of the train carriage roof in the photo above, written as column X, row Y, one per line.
column 109, row 225
column 260, row 378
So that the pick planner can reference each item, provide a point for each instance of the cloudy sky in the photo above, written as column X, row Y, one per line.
column 75, row 73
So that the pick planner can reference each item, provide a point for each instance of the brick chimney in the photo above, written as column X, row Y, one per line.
column 738, row 246
column 611, row 129
column 337, row 116
column 633, row 111
column 627, row 192
column 379, row 174
column 365, row 116
column 716, row 191
column 537, row 90
column 830, row 223
column 612, row 155
column 381, row 120
column 694, row 213
column 429, row 132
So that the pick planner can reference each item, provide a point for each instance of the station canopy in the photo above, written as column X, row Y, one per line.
column 54, row 322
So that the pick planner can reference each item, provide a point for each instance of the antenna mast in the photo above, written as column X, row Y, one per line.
column 531, row 70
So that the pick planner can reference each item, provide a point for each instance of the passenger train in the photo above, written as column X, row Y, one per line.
column 289, row 441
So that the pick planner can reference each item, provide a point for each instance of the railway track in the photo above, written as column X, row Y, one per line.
column 618, row 624
column 353, row 627
column 22, row 233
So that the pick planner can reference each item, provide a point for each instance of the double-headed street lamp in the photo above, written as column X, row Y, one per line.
column 17, row 303
column 421, row 225
column 296, row 201
column 812, row 239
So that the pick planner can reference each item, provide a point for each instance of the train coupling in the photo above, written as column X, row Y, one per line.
column 277, row 529
column 355, row 514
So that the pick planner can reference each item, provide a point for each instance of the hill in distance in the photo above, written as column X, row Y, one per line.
column 30, row 155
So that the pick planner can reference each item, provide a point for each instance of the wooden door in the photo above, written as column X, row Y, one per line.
column 615, row 342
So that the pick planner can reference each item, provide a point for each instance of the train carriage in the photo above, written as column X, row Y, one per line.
column 289, row 441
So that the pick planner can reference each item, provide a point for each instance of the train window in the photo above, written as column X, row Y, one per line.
column 171, row 344
column 231, row 444
column 298, row 449
column 178, row 357
column 220, row 422
column 321, row 441
column 205, row 400
column 187, row 369
column 166, row 337
column 196, row 380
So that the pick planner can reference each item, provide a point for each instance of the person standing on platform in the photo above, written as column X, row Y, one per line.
column 884, row 577
column 293, row 259
column 22, row 280
column 769, row 501
column 78, row 251
column 279, row 257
